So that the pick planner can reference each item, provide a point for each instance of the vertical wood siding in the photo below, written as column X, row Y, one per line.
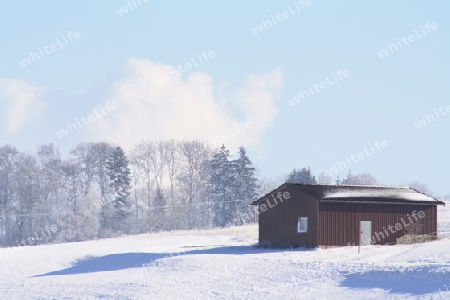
column 278, row 224
column 339, row 222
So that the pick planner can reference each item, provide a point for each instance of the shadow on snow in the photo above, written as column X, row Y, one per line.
column 415, row 281
column 122, row 261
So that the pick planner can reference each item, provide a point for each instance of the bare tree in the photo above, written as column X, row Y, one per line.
column 421, row 187
column 173, row 164
column 101, row 153
column 49, row 161
column 325, row 178
column 83, row 156
column 360, row 179
column 169, row 190
column 195, row 157
column 9, row 159
column 142, row 159
column 27, row 186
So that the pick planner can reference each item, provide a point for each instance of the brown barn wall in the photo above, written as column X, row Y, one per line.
column 339, row 222
column 278, row 224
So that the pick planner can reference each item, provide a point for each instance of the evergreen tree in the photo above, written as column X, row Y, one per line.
column 119, row 175
column 221, row 187
column 303, row 175
column 245, row 185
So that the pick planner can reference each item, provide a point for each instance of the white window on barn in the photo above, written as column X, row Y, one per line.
column 302, row 225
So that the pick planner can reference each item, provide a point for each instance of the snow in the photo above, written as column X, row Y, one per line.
column 406, row 194
column 225, row 264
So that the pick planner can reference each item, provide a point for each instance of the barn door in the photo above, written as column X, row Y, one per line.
column 365, row 232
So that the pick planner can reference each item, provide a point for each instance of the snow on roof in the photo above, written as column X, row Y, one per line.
column 367, row 193
column 406, row 194
column 360, row 193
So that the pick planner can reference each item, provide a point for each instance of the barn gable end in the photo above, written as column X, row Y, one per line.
column 278, row 220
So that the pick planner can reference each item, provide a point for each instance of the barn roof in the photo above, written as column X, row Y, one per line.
column 361, row 194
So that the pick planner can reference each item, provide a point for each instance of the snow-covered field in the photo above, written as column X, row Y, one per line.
column 224, row 264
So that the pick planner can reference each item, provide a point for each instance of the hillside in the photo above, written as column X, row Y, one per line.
column 224, row 264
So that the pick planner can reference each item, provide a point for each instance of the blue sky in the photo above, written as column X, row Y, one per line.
column 250, row 78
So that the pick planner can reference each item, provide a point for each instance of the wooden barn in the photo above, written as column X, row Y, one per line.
column 305, row 215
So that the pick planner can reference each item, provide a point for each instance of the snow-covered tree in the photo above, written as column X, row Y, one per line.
column 192, row 179
column 325, row 178
column 28, row 195
column 119, row 175
column 245, row 184
column 142, row 159
column 302, row 175
column 159, row 213
column 93, row 193
column 9, row 161
column 221, row 187
column 360, row 179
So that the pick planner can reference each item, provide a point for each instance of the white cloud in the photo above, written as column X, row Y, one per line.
column 257, row 99
column 20, row 103
column 186, row 108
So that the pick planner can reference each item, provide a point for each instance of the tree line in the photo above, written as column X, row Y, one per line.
column 305, row 176
column 100, row 191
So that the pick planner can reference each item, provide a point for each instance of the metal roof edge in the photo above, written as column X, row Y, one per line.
column 286, row 184
column 280, row 188
column 439, row 201
column 357, row 185
column 382, row 202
